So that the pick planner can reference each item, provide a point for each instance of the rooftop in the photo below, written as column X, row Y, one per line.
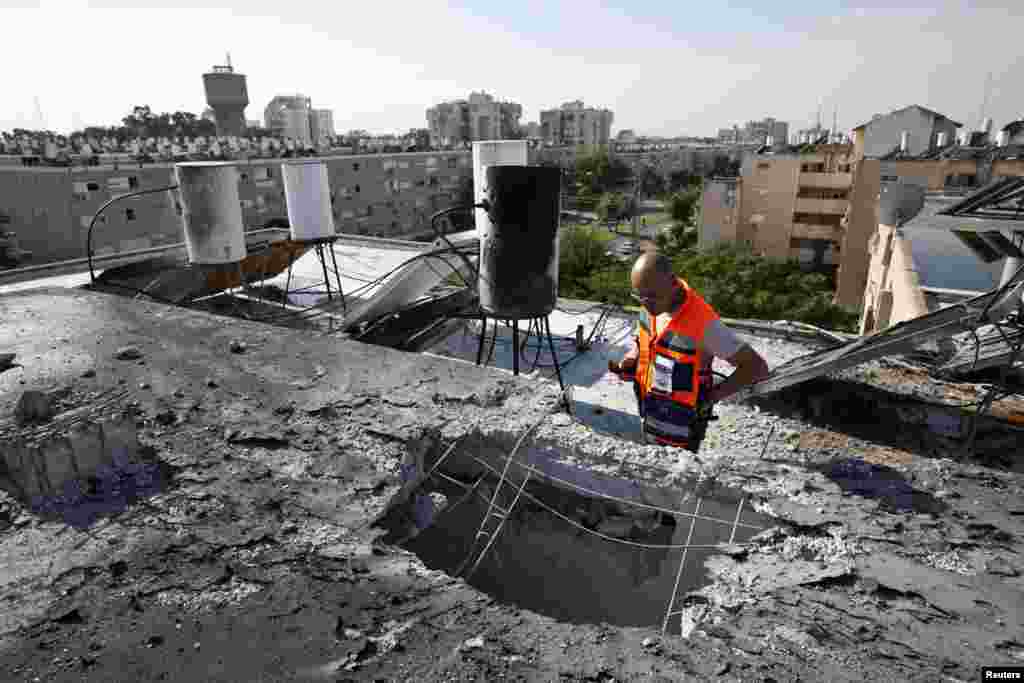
column 836, row 531
column 913, row 106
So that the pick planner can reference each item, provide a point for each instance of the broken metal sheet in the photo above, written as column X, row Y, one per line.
column 413, row 281
column 898, row 339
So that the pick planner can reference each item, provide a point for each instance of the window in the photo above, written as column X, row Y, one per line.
column 92, row 187
column 452, row 162
column 890, row 179
column 355, row 166
column 357, row 189
column 245, row 177
column 764, row 164
column 129, row 214
column 133, row 182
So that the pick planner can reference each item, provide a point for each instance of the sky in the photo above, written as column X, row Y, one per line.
column 663, row 68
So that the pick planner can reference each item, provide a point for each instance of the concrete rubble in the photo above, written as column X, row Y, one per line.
column 245, row 549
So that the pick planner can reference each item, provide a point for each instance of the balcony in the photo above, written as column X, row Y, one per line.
column 836, row 206
column 837, row 180
column 816, row 232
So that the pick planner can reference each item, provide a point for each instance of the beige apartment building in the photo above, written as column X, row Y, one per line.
column 481, row 117
column 576, row 124
column 817, row 208
column 385, row 195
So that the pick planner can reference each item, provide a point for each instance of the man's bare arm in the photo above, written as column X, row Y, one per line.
column 750, row 368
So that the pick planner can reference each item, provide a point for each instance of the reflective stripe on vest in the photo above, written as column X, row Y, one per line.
column 670, row 413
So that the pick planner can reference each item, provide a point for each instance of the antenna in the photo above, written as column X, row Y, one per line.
column 835, row 118
column 984, row 99
column 229, row 60
column 819, row 117
column 40, row 121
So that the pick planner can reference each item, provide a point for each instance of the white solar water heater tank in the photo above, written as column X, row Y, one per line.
column 308, row 195
column 211, row 212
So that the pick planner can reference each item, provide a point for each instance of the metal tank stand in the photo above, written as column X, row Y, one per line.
column 321, row 248
column 515, row 348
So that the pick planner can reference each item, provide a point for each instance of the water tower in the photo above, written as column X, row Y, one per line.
column 227, row 95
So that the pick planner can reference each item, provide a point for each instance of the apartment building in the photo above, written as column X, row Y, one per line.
column 387, row 195
column 481, row 117
column 288, row 116
column 816, row 207
column 576, row 124
column 954, row 168
column 913, row 130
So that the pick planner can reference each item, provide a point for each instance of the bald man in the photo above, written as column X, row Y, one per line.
column 678, row 337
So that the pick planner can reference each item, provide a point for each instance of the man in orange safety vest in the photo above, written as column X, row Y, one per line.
column 678, row 337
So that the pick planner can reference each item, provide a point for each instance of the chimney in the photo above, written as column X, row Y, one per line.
column 1004, row 138
column 986, row 125
column 941, row 142
column 768, row 141
column 904, row 141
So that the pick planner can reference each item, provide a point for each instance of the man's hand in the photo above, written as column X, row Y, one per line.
column 750, row 369
column 626, row 366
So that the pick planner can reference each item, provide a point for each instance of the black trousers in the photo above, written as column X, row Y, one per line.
column 697, row 430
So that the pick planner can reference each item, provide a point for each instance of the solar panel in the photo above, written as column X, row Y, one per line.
column 979, row 245
column 898, row 339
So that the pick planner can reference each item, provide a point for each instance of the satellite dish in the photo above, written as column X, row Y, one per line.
column 899, row 203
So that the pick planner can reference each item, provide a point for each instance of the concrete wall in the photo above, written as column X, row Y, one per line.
column 893, row 292
column 387, row 195
column 861, row 222
column 881, row 136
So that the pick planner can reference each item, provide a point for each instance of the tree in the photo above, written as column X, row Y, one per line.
column 610, row 206
column 600, row 174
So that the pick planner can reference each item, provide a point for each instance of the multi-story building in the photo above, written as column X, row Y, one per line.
column 321, row 126
column 289, row 116
column 768, row 129
column 912, row 130
column 576, row 124
column 386, row 195
column 954, row 168
column 481, row 117
column 227, row 96
column 730, row 136
column 817, row 208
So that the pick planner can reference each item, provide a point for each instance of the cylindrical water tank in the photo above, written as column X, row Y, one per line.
column 211, row 212
column 519, row 243
column 309, row 200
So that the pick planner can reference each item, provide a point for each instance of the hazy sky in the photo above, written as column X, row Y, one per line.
column 664, row 68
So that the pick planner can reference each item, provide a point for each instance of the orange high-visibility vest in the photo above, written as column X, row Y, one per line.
column 669, row 371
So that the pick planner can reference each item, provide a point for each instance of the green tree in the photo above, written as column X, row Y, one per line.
column 610, row 206
column 600, row 173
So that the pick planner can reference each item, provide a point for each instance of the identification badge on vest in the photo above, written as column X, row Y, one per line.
column 663, row 374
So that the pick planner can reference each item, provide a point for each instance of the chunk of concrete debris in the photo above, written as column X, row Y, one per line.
column 1001, row 567
column 34, row 406
column 237, row 346
column 128, row 353
column 7, row 362
column 473, row 643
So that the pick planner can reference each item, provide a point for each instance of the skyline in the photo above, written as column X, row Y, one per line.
column 660, row 70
